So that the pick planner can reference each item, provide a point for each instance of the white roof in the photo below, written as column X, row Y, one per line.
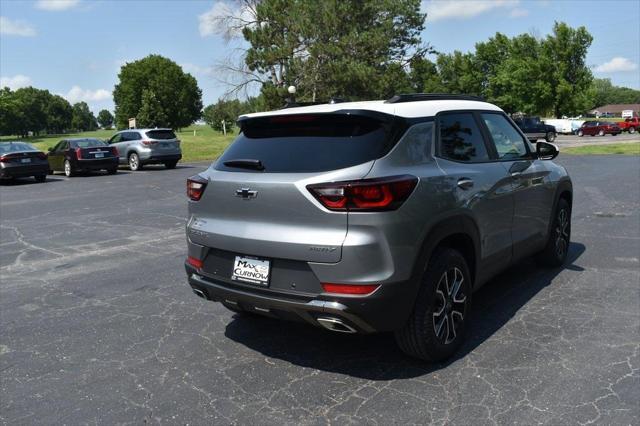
column 402, row 109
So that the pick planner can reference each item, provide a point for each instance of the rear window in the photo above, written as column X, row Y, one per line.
column 15, row 147
column 161, row 134
column 87, row 143
column 308, row 143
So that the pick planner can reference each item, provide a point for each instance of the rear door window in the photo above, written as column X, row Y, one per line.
column 461, row 139
column 161, row 134
column 308, row 143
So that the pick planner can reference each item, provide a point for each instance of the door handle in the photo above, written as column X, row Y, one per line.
column 465, row 183
column 516, row 175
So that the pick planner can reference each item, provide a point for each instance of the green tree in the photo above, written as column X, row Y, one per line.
column 83, row 119
column 10, row 113
column 343, row 48
column 152, row 112
column 31, row 103
column 227, row 111
column 571, row 79
column 606, row 93
column 59, row 114
column 105, row 119
column 176, row 92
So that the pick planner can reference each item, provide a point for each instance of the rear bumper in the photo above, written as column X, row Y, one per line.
column 97, row 164
column 20, row 170
column 386, row 309
column 159, row 158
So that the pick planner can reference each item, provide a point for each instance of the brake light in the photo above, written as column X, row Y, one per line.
column 356, row 289
column 196, row 263
column 79, row 153
column 5, row 159
column 149, row 143
column 41, row 156
column 195, row 187
column 381, row 194
column 114, row 151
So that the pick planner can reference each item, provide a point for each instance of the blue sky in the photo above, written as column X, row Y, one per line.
column 76, row 47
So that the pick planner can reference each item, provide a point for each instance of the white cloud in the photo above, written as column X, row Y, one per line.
column 617, row 64
column 77, row 94
column 198, row 70
column 225, row 20
column 518, row 12
column 56, row 5
column 15, row 82
column 17, row 28
column 460, row 9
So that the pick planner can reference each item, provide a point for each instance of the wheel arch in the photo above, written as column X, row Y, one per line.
column 459, row 232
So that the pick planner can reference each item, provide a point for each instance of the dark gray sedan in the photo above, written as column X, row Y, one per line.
column 20, row 159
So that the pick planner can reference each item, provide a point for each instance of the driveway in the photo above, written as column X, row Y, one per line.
column 98, row 324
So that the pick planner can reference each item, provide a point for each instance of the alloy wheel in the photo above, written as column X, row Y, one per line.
column 449, row 312
column 133, row 162
column 562, row 233
column 67, row 168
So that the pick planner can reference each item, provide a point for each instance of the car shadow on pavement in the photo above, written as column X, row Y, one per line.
column 376, row 357
column 29, row 181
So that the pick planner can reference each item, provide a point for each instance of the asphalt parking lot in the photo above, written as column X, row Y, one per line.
column 98, row 324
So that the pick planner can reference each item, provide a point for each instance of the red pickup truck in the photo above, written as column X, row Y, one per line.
column 630, row 124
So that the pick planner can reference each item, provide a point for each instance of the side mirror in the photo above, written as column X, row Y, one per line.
column 546, row 151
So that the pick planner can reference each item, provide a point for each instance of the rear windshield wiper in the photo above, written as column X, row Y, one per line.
column 245, row 164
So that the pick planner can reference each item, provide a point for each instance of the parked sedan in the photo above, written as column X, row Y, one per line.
column 20, row 159
column 599, row 128
column 72, row 156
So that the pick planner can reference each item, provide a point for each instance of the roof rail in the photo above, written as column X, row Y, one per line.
column 414, row 97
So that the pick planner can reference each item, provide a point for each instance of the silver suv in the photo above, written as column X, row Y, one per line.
column 138, row 147
column 375, row 216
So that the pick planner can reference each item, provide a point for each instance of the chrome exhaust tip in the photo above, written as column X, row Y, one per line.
column 200, row 293
column 335, row 324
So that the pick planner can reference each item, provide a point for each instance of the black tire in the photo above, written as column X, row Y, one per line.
column 555, row 252
column 112, row 171
column 550, row 137
column 40, row 178
column 601, row 133
column 170, row 164
column 632, row 129
column 580, row 133
column 51, row 172
column 134, row 162
column 419, row 337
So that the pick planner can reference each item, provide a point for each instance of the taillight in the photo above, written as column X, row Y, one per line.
column 114, row 151
column 381, row 194
column 196, row 263
column 5, row 159
column 355, row 289
column 78, row 153
column 149, row 143
column 41, row 156
column 195, row 187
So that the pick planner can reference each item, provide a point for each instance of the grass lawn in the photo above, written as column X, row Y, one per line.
column 632, row 148
column 206, row 145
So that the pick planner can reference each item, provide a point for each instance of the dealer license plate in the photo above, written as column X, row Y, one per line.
column 251, row 270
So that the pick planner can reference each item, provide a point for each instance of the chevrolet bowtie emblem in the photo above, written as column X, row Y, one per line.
column 246, row 193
